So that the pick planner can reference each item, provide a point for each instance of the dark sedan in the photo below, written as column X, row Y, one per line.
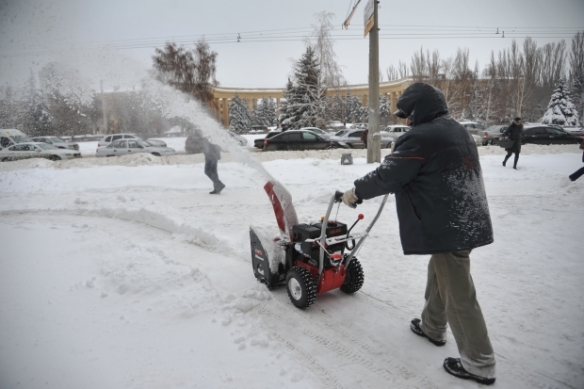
column 297, row 140
column 547, row 135
column 259, row 142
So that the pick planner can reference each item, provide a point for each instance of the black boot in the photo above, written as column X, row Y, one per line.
column 454, row 367
column 416, row 328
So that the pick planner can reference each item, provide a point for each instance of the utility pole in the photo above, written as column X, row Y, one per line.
column 103, row 107
column 371, row 22
column 373, row 141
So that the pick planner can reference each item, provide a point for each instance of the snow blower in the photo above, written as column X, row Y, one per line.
column 309, row 259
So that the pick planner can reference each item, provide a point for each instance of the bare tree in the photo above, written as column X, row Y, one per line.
column 400, row 72
column 322, row 43
column 192, row 72
column 553, row 61
column 577, row 71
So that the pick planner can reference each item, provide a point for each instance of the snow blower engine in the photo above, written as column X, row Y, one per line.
column 309, row 259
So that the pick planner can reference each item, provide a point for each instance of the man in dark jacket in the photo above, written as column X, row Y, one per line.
column 443, row 211
column 198, row 143
column 212, row 156
column 514, row 132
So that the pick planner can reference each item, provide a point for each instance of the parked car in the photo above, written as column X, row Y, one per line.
column 316, row 130
column 492, row 134
column 259, row 142
column 349, row 139
column 296, row 140
column 156, row 142
column 57, row 142
column 478, row 140
column 132, row 146
column 577, row 131
column 11, row 137
column 473, row 127
column 106, row 140
column 548, row 135
column 238, row 138
column 36, row 150
column 258, row 128
column 395, row 131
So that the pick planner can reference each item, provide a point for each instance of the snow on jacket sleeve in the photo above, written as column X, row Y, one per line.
column 395, row 172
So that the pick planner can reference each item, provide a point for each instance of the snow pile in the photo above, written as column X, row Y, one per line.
column 125, row 272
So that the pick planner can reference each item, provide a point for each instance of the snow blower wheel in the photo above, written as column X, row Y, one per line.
column 301, row 288
column 354, row 278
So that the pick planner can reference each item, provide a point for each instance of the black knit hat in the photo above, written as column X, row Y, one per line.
column 517, row 119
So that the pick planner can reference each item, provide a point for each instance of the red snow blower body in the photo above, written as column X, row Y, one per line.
column 309, row 259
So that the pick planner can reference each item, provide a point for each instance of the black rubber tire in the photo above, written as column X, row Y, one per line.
column 354, row 278
column 300, row 286
column 54, row 158
column 388, row 146
column 156, row 154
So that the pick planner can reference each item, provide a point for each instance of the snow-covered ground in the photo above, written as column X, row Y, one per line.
column 125, row 273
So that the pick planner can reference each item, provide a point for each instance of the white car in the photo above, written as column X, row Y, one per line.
column 106, row 140
column 36, row 150
column 395, row 131
column 473, row 127
column 132, row 146
column 318, row 131
column 57, row 142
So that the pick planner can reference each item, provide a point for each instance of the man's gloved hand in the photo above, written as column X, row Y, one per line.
column 350, row 199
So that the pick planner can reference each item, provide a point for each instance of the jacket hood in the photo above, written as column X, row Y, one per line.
column 422, row 103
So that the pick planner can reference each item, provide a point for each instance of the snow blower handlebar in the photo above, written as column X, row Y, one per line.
column 337, row 198
column 358, row 245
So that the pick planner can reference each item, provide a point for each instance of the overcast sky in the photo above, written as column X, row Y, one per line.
column 271, row 33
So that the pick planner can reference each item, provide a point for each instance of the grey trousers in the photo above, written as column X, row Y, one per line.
column 451, row 299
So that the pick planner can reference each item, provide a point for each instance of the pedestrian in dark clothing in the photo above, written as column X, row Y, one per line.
column 212, row 156
column 578, row 173
column 514, row 132
column 364, row 137
column 442, row 208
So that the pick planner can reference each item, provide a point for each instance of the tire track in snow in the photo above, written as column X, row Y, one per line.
column 342, row 342
column 518, row 370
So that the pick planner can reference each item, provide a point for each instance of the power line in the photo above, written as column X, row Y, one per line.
column 299, row 34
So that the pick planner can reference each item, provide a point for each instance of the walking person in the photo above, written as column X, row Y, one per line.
column 514, row 132
column 212, row 156
column 197, row 143
column 442, row 209
column 578, row 173
column 364, row 137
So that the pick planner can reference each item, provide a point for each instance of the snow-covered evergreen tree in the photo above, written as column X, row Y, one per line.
column 239, row 115
column 384, row 109
column 285, row 113
column 561, row 110
column 265, row 112
column 306, row 103
column 354, row 109
column 337, row 108
column 35, row 117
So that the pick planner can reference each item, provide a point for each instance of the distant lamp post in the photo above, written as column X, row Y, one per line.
column 103, row 108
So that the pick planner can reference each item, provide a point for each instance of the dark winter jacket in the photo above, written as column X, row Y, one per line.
column 436, row 177
column 212, row 151
column 514, row 133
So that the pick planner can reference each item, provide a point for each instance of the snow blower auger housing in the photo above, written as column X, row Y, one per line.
column 309, row 259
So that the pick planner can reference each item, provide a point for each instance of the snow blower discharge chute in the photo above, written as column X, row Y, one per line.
column 309, row 259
